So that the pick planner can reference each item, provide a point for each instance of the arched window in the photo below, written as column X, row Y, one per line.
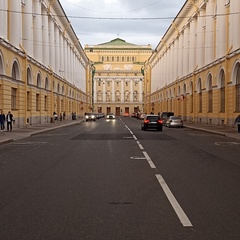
column 58, row 88
column 46, row 83
column 29, row 76
column 1, row 65
column 238, row 87
column 15, row 71
column 210, row 93
column 222, row 90
column 38, row 80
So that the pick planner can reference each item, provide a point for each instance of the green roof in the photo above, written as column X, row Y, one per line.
column 117, row 42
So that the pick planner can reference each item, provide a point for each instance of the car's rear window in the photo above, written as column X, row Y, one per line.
column 153, row 118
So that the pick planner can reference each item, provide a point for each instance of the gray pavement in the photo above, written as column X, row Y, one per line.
column 30, row 130
column 27, row 131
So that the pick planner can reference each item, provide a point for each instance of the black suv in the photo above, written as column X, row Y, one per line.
column 151, row 122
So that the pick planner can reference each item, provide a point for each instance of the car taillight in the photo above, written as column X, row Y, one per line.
column 159, row 121
column 146, row 121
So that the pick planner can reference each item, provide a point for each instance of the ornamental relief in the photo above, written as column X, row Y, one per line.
column 117, row 67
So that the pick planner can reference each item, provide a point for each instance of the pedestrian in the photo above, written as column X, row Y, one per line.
column 237, row 122
column 2, row 121
column 64, row 116
column 9, row 119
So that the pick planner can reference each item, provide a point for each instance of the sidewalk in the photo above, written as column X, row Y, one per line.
column 30, row 130
column 220, row 130
column 19, row 133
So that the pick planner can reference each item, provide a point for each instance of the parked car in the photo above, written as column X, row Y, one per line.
column 134, row 114
column 126, row 114
column 165, row 115
column 151, row 122
column 110, row 116
column 90, row 117
column 174, row 121
column 142, row 116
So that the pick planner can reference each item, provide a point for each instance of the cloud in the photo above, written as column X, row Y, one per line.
column 98, row 21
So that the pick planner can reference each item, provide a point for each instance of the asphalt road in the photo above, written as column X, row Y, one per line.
column 110, row 180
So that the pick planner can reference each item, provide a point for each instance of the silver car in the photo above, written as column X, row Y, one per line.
column 174, row 121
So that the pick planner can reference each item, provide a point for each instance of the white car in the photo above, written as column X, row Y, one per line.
column 174, row 121
column 110, row 116
column 90, row 117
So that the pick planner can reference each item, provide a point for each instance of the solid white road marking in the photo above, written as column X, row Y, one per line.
column 149, row 160
column 177, row 208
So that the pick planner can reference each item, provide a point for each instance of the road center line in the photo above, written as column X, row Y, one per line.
column 149, row 160
column 177, row 208
column 140, row 145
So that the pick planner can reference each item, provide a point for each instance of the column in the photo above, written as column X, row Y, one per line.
column 113, row 90
column 131, row 90
column 57, row 55
column 15, row 23
column 140, row 91
column 4, row 20
column 104, row 90
column 185, row 51
column 45, row 38
column 200, row 39
column 234, row 25
column 221, row 43
column 37, row 31
column 51, row 43
column 27, row 29
column 192, row 45
column 209, row 23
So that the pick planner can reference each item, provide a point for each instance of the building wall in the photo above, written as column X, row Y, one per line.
column 201, row 82
column 43, row 67
column 118, row 83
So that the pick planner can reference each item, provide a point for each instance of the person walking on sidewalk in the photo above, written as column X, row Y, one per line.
column 9, row 119
column 2, row 121
column 237, row 122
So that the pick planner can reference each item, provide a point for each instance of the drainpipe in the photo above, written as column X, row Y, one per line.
column 26, row 120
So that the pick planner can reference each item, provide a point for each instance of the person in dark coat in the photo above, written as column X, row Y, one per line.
column 237, row 122
column 2, row 121
column 9, row 119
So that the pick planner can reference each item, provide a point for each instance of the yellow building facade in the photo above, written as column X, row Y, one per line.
column 43, row 67
column 118, row 81
column 195, row 69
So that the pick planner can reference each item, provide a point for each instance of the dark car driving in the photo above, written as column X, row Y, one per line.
column 151, row 122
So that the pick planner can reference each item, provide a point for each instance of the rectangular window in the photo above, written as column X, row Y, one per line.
column 222, row 100
column 37, row 102
column 13, row 98
column 238, row 98
column 28, row 101
column 200, row 102
column 45, row 103
column 210, row 101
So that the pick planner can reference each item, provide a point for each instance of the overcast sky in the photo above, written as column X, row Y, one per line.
column 100, row 21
